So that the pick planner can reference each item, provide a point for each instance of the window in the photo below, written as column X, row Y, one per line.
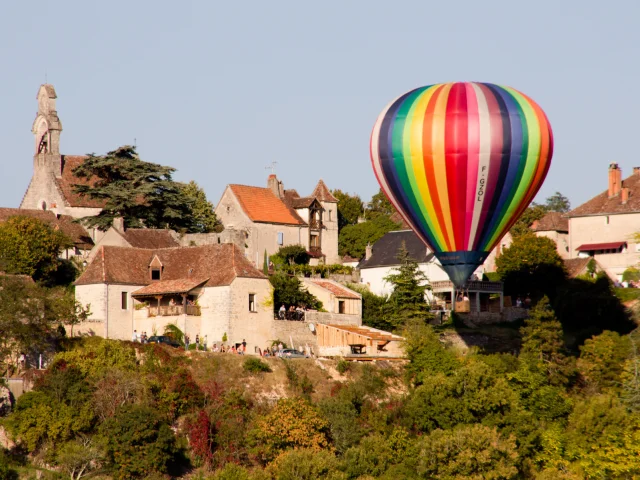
column 155, row 274
column 340, row 306
column 314, row 241
column 329, row 215
column 124, row 300
column 252, row 302
column 606, row 220
column 280, row 238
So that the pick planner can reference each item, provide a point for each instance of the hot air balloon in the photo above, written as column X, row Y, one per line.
column 461, row 162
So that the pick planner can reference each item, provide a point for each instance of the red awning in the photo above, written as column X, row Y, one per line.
column 587, row 247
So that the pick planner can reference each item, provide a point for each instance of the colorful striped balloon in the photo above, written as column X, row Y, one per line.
column 461, row 162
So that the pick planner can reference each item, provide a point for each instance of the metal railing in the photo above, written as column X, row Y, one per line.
column 297, row 316
column 472, row 285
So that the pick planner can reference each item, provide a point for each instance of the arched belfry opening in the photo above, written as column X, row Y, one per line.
column 46, row 131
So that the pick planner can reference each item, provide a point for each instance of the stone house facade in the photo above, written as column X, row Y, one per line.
column 604, row 227
column 273, row 217
column 209, row 291
column 335, row 298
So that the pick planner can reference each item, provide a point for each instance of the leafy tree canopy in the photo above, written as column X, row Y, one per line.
column 289, row 291
column 142, row 193
column 291, row 255
column 531, row 265
column 530, row 215
column 353, row 239
column 379, row 205
column 557, row 203
column 350, row 208
column 29, row 246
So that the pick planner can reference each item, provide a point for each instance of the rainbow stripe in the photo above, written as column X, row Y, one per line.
column 461, row 162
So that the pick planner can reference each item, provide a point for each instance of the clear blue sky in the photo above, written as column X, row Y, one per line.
column 221, row 89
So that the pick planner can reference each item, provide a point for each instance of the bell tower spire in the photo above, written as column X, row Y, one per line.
column 46, row 131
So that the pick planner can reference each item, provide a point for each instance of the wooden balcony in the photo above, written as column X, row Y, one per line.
column 174, row 310
column 315, row 224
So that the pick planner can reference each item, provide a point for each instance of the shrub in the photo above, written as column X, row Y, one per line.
column 293, row 423
column 343, row 366
column 138, row 442
column 255, row 365
column 305, row 465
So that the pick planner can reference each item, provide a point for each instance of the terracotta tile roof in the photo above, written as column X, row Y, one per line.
column 322, row 193
column 576, row 266
column 602, row 204
column 397, row 218
column 149, row 238
column 182, row 285
column 65, row 223
column 335, row 288
column 68, row 179
column 220, row 263
column 262, row 205
column 588, row 247
column 303, row 202
column 552, row 221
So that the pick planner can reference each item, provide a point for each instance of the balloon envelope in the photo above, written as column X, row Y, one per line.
column 461, row 162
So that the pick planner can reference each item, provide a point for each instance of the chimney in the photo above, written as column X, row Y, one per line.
column 624, row 195
column 615, row 180
column 118, row 224
column 636, row 170
column 368, row 251
column 272, row 184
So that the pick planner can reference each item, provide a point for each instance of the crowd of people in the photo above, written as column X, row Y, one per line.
column 292, row 313
column 139, row 337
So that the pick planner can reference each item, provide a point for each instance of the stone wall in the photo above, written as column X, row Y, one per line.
column 226, row 236
column 333, row 318
column 299, row 332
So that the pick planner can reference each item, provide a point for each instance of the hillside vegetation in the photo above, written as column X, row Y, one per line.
column 114, row 409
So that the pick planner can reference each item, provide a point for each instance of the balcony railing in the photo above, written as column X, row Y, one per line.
column 315, row 224
column 315, row 250
column 174, row 310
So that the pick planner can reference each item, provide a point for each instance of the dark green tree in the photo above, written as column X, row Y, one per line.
column 350, row 208
column 142, row 193
column 407, row 301
column 139, row 442
column 289, row 291
column 29, row 246
column 557, row 203
column 531, row 265
column 291, row 255
column 353, row 239
column 374, row 308
column 202, row 212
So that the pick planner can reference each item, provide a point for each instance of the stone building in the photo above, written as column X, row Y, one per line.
column 51, row 184
column 604, row 227
column 209, row 291
column 273, row 217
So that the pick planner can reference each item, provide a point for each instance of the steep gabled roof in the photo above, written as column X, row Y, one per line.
column 576, row 266
column 262, row 205
column 386, row 249
column 65, row 223
column 322, row 193
column 221, row 264
column 68, row 179
column 601, row 204
column 551, row 222
column 149, row 238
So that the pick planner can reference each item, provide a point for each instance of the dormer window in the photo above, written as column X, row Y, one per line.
column 155, row 269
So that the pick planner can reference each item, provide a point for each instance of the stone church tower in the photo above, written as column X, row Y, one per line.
column 51, row 186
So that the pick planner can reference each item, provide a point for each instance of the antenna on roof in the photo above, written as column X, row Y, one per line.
column 45, row 76
column 135, row 142
column 272, row 167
